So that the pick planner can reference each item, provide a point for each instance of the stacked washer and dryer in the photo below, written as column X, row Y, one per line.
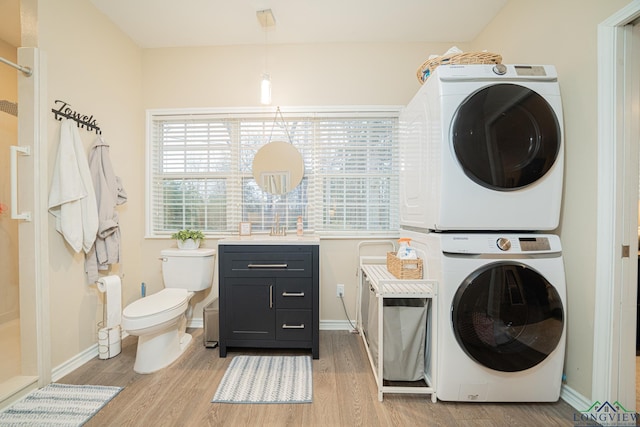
column 481, row 187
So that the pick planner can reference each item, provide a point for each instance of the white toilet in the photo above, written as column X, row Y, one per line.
column 159, row 320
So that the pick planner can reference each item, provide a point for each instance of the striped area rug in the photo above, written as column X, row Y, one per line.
column 58, row 405
column 267, row 379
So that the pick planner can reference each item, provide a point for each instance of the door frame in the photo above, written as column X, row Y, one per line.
column 616, row 274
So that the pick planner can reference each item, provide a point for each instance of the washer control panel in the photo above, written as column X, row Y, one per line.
column 526, row 244
column 499, row 243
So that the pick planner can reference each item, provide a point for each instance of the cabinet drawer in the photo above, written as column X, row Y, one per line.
column 293, row 325
column 266, row 264
column 294, row 293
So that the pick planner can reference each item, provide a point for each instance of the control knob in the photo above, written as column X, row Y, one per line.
column 503, row 243
column 500, row 69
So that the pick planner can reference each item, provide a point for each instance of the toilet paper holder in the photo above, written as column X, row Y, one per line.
column 109, row 341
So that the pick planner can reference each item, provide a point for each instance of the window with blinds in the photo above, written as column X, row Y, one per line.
column 199, row 173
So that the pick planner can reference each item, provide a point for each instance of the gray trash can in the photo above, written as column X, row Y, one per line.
column 404, row 332
column 210, row 317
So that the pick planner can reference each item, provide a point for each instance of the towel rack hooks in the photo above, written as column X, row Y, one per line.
column 84, row 121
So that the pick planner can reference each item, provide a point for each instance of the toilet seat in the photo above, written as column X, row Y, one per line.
column 155, row 309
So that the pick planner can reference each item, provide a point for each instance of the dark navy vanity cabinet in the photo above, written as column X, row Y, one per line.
column 269, row 296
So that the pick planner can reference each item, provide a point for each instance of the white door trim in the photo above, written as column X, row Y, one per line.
column 608, row 360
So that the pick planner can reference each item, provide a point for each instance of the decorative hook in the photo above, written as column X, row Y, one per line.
column 83, row 121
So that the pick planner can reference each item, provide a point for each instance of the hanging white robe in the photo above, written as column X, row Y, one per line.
column 72, row 198
column 109, row 193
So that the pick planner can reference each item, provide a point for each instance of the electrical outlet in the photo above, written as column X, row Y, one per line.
column 339, row 290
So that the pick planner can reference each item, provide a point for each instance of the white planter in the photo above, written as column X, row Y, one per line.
column 188, row 244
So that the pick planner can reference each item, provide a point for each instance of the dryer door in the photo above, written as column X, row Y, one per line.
column 505, row 137
column 507, row 316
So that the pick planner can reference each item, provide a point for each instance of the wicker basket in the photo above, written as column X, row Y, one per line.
column 404, row 268
column 427, row 67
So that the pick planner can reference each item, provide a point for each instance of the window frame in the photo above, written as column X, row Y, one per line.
column 389, row 111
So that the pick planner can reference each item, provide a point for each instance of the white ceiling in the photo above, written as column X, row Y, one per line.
column 171, row 23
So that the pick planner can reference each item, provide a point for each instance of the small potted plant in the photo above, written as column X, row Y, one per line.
column 188, row 239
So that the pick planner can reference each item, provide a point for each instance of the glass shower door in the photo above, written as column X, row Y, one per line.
column 10, row 355
column 24, row 345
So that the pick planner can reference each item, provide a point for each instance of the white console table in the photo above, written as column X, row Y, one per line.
column 373, row 272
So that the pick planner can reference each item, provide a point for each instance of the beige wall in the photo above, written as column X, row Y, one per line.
column 565, row 34
column 302, row 75
column 99, row 71
column 95, row 68
column 308, row 75
column 9, row 296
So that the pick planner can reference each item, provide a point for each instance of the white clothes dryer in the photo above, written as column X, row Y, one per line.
column 501, row 315
column 481, row 148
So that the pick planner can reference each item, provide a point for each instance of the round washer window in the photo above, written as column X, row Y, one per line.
column 507, row 317
column 505, row 136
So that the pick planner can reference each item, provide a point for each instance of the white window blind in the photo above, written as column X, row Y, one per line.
column 200, row 171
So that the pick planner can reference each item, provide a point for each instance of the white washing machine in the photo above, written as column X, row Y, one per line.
column 481, row 148
column 501, row 315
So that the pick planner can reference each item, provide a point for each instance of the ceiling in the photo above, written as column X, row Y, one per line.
column 171, row 23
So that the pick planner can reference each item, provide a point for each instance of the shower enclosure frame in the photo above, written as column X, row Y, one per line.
column 32, row 178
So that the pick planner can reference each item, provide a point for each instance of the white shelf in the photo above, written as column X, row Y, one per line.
column 388, row 286
column 373, row 270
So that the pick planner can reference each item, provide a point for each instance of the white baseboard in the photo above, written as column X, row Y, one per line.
column 574, row 399
column 196, row 323
column 74, row 363
column 335, row 325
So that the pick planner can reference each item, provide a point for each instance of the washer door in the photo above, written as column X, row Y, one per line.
column 507, row 317
column 505, row 137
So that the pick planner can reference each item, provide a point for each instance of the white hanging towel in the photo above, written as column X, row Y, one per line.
column 72, row 198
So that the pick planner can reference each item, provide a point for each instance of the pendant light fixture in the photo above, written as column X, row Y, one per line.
column 265, row 89
column 267, row 21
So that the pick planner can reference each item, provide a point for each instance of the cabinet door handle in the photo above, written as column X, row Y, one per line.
column 285, row 326
column 270, row 296
column 267, row 266
column 293, row 294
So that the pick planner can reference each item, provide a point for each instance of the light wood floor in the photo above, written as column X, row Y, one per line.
column 344, row 394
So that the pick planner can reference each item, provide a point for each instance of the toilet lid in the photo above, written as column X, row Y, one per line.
column 201, row 252
column 164, row 300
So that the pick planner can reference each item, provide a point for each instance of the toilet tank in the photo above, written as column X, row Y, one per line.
column 190, row 269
